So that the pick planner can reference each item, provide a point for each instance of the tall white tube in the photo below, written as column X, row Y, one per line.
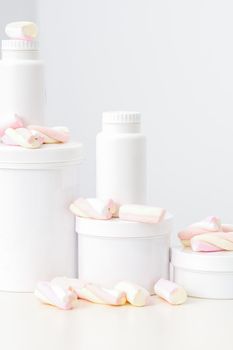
column 121, row 159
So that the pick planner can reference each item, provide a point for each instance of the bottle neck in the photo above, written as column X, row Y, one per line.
column 20, row 54
column 114, row 128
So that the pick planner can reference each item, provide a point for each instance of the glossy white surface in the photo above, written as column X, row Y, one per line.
column 199, row 324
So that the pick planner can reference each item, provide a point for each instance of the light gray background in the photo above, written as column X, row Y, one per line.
column 170, row 60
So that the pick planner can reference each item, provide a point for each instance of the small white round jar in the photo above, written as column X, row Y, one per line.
column 114, row 250
column 121, row 158
column 203, row 275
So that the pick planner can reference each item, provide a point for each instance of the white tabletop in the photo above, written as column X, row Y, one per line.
column 26, row 324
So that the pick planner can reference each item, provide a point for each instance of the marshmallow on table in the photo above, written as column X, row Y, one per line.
column 90, row 291
column 13, row 122
column 21, row 137
column 213, row 242
column 74, row 284
column 21, row 30
column 210, row 224
column 101, row 295
column 135, row 294
column 55, row 295
column 141, row 213
column 57, row 134
column 95, row 208
column 170, row 291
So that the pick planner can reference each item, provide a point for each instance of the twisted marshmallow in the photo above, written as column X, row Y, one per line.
column 21, row 137
column 90, row 291
column 213, row 242
column 210, row 224
column 94, row 208
column 21, row 30
column 55, row 295
column 57, row 134
column 141, row 213
column 135, row 294
column 14, row 122
column 170, row 292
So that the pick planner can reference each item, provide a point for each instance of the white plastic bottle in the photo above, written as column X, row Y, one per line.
column 121, row 159
column 22, row 88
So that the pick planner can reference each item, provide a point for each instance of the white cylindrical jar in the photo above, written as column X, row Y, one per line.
column 37, row 236
column 113, row 250
column 121, row 159
column 22, row 88
column 203, row 275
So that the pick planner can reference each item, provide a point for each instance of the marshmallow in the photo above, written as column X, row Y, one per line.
column 170, row 291
column 101, row 295
column 213, row 242
column 13, row 122
column 21, row 137
column 74, row 284
column 210, row 224
column 141, row 213
column 55, row 295
column 135, row 294
column 227, row 228
column 94, row 208
column 58, row 134
column 21, row 30
column 90, row 292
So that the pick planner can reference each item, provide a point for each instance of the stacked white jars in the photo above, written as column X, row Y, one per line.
column 121, row 158
column 114, row 250
column 37, row 236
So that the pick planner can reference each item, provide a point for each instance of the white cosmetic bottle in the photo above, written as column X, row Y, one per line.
column 121, row 159
column 22, row 88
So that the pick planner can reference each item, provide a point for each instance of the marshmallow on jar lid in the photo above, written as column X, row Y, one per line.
column 21, row 30
column 170, row 291
column 135, row 294
column 141, row 213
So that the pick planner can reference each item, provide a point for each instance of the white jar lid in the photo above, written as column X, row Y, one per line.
column 122, row 229
column 121, row 117
column 20, row 45
column 12, row 157
column 185, row 258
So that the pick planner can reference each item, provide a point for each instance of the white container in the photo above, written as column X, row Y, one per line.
column 121, row 159
column 22, row 89
column 203, row 275
column 114, row 250
column 37, row 236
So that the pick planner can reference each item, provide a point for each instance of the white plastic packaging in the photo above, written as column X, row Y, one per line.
column 114, row 250
column 121, row 159
column 203, row 275
column 37, row 237
column 22, row 89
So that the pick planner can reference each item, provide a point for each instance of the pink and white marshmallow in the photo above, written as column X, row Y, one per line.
column 94, row 208
column 57, row 134
column 170, row 291
column 91, row 292
column 141, row 213
column 101, row 295
column 214, row 242
column 13, row 122
column 55, row 295
column 208, row 225
column 21, row 30
column 21, row 137
column 135, row 294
